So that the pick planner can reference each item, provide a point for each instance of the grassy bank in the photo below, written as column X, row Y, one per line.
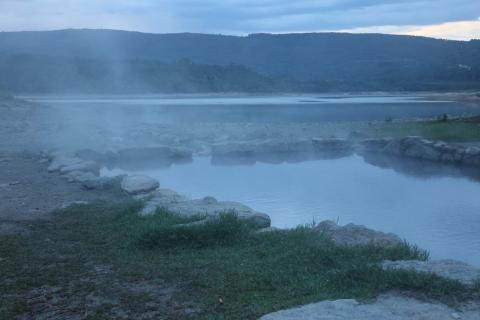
column 106, row 261
column 452, row 131
column 449, row 130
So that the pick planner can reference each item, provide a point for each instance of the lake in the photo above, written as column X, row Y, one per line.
column 435, row 207
column 238, row 108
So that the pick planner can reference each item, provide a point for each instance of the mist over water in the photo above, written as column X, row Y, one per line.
column 438, row 212
column 238, row 108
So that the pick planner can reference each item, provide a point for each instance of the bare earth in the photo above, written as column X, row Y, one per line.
column 29, row 191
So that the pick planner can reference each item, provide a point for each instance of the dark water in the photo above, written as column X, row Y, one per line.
column 263, row 108
column 437, row 209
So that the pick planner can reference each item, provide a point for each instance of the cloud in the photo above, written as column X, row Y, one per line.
column 458, row 30
column 239, row 16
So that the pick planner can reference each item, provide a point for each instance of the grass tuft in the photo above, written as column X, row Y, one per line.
column 225, row 230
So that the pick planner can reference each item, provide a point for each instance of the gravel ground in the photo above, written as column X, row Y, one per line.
column 28, row 191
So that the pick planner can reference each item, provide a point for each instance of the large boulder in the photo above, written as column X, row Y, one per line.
column 386, row 307
column 208, row 206
column 352, row 234
column 452, row 269
column 137, row 184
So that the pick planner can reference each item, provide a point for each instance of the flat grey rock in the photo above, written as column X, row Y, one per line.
column 208, row 206
column 452, row 269
column 136, row 184
column 386, row 307
column 352, row 234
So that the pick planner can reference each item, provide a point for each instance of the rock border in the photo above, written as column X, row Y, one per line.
column 84, row 167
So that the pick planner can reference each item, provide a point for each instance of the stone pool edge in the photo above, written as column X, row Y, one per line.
column 84, row 168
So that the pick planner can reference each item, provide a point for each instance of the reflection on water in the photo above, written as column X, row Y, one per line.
column 435, row 207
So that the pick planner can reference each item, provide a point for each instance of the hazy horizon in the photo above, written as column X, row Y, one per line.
column 239, row 35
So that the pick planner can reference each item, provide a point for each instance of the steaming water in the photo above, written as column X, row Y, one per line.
column 440, row 213
column 304, row 108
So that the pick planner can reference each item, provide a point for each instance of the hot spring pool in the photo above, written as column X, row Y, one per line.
column 438, row 211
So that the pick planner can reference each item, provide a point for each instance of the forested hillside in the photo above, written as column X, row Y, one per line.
column 118, row 61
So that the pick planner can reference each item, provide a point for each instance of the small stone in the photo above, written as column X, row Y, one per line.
column 456, row 316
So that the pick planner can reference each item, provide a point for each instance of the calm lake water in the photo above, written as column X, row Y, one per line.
column 437, row 209
column 237, row 108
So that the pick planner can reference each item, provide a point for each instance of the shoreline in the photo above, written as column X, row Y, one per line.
column 81, row 169
column 349, row 236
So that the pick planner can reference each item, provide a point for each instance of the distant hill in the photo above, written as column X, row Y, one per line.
column 91, row 60
column 44, row 74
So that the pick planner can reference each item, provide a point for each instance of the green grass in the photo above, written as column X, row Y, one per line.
column 453, row 131
column 252, row 273
column 226, row 230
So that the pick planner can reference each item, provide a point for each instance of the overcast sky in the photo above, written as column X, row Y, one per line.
column 452, row 19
